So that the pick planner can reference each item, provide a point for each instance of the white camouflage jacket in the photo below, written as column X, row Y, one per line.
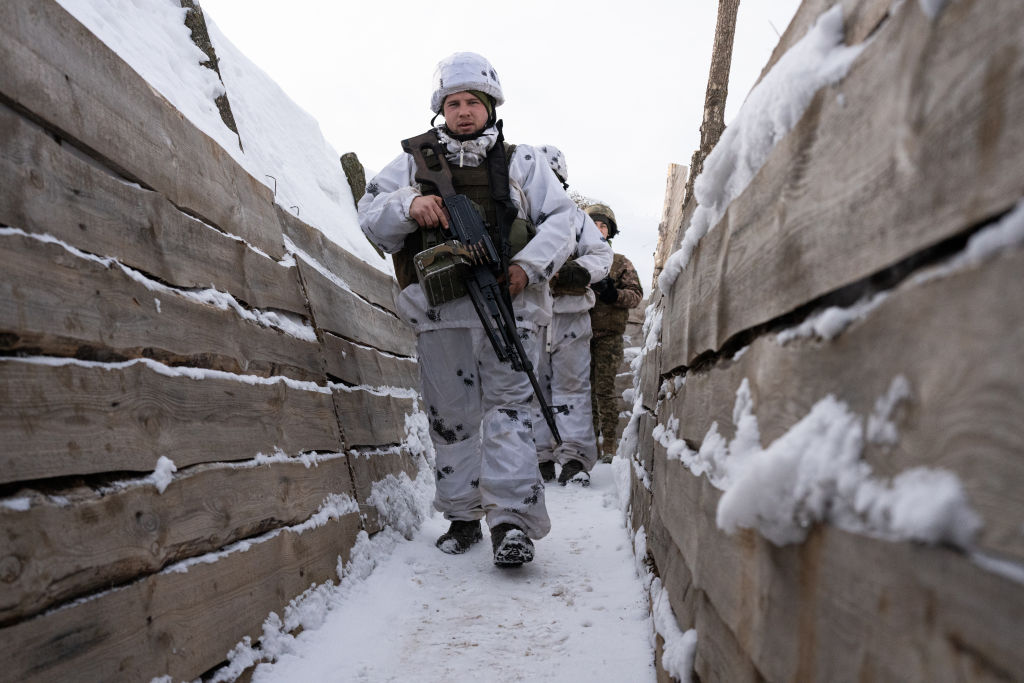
column 593, row 253
column 536, row 193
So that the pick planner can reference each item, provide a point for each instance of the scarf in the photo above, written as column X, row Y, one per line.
column 467, row 152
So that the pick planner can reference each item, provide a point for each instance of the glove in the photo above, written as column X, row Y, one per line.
column 572, row 278
column 606, row 291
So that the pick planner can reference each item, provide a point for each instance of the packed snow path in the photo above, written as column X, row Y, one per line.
column 578, row 612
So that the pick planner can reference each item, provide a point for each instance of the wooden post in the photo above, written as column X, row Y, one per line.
column 718, row 88
column 356, row 177
column 196, row 22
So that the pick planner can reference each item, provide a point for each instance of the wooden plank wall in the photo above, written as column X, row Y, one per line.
column 886, row 177
column 154, row 302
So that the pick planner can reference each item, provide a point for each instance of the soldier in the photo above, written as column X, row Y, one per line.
column 565, row 361
column 616, row 294
column 479, row 408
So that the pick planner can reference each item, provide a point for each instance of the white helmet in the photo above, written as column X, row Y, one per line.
column 556, row 160
column 464, row 71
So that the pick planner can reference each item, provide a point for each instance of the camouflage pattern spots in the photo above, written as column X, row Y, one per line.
column 510, row 413
column 448, row 434
column 605, row 359
column 534, row 497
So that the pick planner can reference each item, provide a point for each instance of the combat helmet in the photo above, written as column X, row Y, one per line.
column 604, row 213
column 464, row 71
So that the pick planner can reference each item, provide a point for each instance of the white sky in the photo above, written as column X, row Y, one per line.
column 617, row 86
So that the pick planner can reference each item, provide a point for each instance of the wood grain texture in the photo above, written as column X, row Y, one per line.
column 75, row 420
column 369, row 468
column 56, row 302
column 861, row 19
column 64, row 75
column 88, row 540
column 719, row 656
column 671, row 214
column 640, row 505
column 46, row 187
column 363, row 366
column 959, row 342
column 932, row 144
column 372, row 284
column 348, row 316
column 812, row 611
column 177, row 624
column 369, row 419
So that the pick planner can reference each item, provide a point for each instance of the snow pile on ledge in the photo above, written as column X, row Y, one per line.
column 814, row 473
column 770, row 111
column 680, row 646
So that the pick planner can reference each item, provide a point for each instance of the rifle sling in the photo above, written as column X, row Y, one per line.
column 498, row 178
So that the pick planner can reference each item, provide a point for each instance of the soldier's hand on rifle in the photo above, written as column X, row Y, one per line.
column 428, row 212
column 517, row 280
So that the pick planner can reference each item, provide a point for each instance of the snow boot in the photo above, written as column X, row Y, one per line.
column 459, row 537
column 573, row 471
column 547, row 470
column 511, row 546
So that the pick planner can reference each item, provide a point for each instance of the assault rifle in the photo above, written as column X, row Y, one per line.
column 481, row 284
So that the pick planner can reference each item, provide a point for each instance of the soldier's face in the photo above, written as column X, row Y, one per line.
column 603, row 227
column 464, row 113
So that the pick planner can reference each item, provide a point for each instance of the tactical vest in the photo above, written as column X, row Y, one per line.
column 473, row 182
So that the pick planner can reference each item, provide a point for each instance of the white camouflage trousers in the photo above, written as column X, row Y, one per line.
column 480, row 413
column 564, row 375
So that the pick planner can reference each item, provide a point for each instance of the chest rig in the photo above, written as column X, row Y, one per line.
column 476, row 183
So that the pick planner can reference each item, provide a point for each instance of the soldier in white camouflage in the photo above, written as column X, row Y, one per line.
column 616, row 294
column 564, row 368
column 479, row 406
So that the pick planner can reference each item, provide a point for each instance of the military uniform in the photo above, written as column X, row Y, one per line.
column 479, row 408
column 564, row 369
column 608, row 322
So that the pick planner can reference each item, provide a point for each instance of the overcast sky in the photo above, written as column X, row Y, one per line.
column 617, row 86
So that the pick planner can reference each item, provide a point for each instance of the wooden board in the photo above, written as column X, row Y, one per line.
column 650, row 378
column 861, row 18
column 671, row 214
column 347, row 315
column 67, row 78
column 844, row 607
column 45, row 187
column 58, row 303
column 370, row 283
column 371, row 420
column 75, row 420
column 176, row 624
column 363, row 366
column 959, row 341
column 53, row 551
column 369, row 468
column 925, row 153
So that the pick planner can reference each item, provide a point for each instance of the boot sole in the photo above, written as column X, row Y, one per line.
column 513, row 553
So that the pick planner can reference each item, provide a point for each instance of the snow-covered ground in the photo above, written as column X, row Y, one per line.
column 578, row 612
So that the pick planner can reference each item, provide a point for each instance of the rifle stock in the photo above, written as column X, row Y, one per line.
column 482, row 286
